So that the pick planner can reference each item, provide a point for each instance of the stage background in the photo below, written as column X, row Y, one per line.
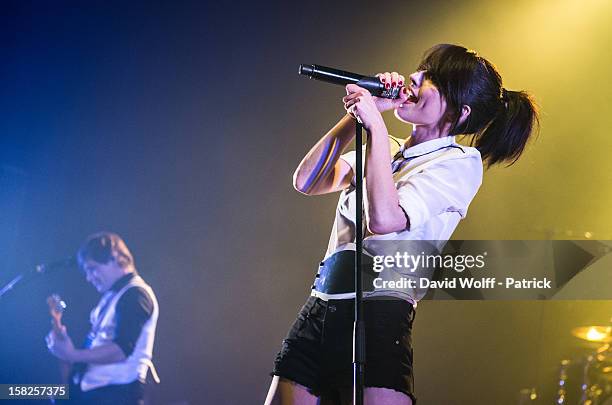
column 178, row 125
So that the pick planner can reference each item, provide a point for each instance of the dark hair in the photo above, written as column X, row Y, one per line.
column 103, row 247
column 500, row 120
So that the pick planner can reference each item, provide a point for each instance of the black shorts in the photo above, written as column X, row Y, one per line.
column 318, row 350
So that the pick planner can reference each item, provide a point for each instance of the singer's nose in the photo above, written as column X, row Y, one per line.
column 89, row 275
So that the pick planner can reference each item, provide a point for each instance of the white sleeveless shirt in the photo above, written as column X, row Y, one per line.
column 435, row 185
column 103, row 330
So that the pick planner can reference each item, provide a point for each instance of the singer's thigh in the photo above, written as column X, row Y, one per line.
column 385, row 396
column 286, row 392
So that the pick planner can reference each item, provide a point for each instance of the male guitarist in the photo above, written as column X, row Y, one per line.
column 113, row 364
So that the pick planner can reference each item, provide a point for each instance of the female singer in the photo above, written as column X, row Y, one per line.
column 419, row 193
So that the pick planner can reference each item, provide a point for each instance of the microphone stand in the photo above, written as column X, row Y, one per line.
column 9, row 286
column 38, row 269
column 375, row 87
column 359, row 354
column 21, row 276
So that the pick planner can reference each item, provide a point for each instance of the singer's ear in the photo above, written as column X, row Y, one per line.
column 465, row 113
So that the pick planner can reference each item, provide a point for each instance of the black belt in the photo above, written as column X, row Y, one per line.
column 336, row 274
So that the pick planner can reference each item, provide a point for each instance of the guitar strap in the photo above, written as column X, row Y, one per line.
column 79, row 369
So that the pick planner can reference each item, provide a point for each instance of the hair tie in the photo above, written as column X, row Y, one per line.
column 503, row 96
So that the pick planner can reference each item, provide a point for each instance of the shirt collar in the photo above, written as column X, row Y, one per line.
column 122, row 282
column 426, row 147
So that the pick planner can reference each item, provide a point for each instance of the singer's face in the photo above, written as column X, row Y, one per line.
column 101, row 275
column 428, row 108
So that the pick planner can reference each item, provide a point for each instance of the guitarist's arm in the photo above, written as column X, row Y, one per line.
column 104, row 354
column 62, row 347
column 133, row 310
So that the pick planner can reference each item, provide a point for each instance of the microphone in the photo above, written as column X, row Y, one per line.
column 45, row 268
column 340, row 77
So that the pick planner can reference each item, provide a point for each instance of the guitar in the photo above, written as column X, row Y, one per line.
column 56, row 309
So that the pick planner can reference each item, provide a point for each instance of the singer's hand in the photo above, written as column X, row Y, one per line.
column 360, row 104
column 390, row 80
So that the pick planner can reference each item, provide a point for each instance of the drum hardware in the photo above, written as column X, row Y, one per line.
column 585, row 380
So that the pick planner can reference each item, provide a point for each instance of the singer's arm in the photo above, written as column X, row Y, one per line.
column 384, row 214
column 321, row 171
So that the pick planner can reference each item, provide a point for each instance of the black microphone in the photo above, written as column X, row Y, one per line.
column 66, row 263
column 335, row 76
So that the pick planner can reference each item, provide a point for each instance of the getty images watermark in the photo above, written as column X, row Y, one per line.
column 427, row 263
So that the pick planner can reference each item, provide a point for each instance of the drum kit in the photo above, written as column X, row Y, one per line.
column 586, row 380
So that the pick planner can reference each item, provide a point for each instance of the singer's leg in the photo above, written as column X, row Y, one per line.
column 385, row 396
column 286, row 392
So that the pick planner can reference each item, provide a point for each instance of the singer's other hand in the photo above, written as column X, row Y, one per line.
column 360, row 104
column 391, row 80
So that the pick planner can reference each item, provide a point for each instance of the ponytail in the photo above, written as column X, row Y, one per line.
column 501, row 121
column 504, row 139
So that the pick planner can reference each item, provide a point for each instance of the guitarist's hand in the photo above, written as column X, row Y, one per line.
column 60, row 345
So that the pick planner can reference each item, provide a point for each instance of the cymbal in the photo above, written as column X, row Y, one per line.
column 602, row 334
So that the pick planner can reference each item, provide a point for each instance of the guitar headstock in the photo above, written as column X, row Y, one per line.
column 56, row 309
column 57, row 306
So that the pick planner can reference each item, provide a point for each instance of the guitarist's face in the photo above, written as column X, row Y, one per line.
column 102, row 275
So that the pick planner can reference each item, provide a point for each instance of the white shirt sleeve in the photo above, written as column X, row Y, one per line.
column 351, row 159
column 446, row 186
